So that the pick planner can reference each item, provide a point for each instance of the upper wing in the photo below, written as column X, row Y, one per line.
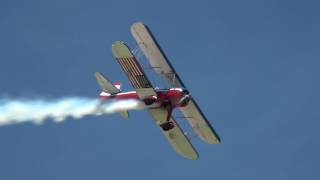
column 175, row 135
column 133, row 70
column 154, row 54
column 161, row 65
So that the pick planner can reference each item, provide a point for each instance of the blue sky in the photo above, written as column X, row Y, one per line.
column 252, row 65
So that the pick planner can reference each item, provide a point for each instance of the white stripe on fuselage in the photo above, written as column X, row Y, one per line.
column 133, row 92
column 122, row 93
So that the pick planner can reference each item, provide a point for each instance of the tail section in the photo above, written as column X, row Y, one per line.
column 106, row 86
column 109, row 89
column 124, row 114
column 117, row 85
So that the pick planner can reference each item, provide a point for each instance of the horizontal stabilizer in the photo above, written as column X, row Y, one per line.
column 105, row 84
column 124, row 114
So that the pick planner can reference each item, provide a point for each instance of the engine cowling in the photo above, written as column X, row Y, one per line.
column 185, row 100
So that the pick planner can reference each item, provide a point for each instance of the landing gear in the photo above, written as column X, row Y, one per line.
column 150, row 100
column 167, row 126
column 166, row 104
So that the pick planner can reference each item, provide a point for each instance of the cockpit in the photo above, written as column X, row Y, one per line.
column 162, row 90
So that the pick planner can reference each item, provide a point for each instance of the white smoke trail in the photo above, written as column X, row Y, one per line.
column 38, row 110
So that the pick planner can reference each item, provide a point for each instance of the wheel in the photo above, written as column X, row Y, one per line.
column 166, row 103
column 150, row 100
column 167, row 126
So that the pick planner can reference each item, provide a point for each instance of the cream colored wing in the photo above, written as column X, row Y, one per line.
column 175, row 136
column 133, row 70
column 150, row 48
column 199, row 123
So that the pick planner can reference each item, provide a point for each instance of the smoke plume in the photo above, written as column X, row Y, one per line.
column 38, row 110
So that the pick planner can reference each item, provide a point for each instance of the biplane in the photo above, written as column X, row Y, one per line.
column 159, row 102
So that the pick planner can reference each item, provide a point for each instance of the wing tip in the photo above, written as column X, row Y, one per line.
column 195, row 157
column 192, row 156
column 212, row 140
column 120, row 49
column 137, row 24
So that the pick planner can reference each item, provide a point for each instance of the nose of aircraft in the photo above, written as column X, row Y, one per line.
column 185, row 99
column 185, row 91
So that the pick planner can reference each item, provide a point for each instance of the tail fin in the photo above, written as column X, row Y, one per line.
column 117, row 85
column 105, row 84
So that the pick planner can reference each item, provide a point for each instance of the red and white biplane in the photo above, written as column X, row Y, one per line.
column 159, row 102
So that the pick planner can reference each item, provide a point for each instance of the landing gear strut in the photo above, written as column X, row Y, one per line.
column 166, row 104
column 150, row 100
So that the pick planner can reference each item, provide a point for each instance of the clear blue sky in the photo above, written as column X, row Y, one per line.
column 252, row 65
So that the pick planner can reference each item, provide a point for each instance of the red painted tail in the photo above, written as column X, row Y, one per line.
column 117, row 85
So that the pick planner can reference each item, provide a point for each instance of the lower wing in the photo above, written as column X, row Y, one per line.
column 175, row 136
column 199, row 123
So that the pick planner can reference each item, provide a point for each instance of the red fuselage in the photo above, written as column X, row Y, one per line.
column 176, row 97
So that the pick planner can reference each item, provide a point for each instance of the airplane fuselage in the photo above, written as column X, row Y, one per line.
column 175, row 97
